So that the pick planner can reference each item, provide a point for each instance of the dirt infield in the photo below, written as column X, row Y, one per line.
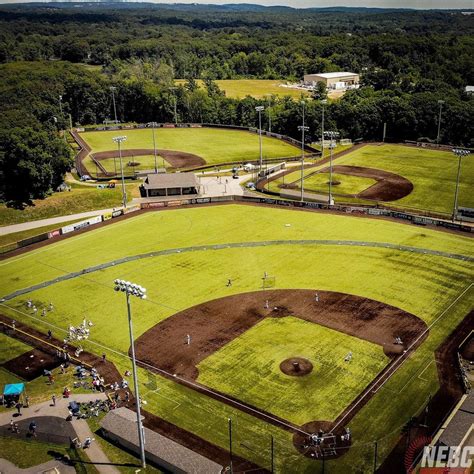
column 327, row 448
column 32, row 364
column 177, row 159
column 389, row 186
column 296, row 366
column 215, row 323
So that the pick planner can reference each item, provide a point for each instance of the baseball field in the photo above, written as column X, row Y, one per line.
column 361, row 173
column 182, row 147
column 291, row 315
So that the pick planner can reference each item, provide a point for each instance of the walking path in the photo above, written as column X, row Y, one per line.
column 265, row 243
column 10, row 229
column 94, row 452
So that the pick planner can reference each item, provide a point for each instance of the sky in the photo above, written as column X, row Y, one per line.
column 417, row 4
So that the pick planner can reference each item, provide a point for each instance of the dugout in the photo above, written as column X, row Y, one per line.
column 173, row 184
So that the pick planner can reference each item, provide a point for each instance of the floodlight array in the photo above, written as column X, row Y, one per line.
column 259, row 108
column 130, row 288
column 461, row 152
column 119, row 139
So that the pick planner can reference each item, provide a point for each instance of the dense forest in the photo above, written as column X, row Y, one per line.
column 408, row 61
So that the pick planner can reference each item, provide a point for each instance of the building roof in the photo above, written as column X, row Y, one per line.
column 170, row 180
column 460, row 424
column 122, row 422
column 333, row 75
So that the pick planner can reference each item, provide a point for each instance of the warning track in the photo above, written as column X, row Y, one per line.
column 159, row 253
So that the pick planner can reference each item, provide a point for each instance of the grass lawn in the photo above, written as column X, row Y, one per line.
column 214, row 145
column 26, row 453
column 146, row 162
column 80, row 199
column 248, row 368
column 258, row 88
column 433, row 174
column 419, row 283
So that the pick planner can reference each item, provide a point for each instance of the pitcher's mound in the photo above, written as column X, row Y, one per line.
column 296, row 366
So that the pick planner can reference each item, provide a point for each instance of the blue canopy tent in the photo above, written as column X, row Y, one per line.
column 12, row 392
column 13, row 389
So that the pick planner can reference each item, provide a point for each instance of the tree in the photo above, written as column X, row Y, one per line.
column 320, row 91
column 33, row 163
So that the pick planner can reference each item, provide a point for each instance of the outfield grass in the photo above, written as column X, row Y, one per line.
column 251, row 364
column 257, row 88
column 419, row 283
column 213, row 145
column 433, row 174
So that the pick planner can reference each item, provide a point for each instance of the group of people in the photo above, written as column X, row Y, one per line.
column 78, row 333
column 34, row 308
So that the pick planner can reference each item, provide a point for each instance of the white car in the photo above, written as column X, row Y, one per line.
column 249, row 167
column 86, row 177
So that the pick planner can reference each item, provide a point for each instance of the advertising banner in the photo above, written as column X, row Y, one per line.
column 80, row 225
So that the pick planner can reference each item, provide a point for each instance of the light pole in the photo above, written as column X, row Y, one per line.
column 269, row 110
column 260, row 109
column 140, row 292
column 61, row 105
column 440, row 102
column 119, row 141
column 113, row 89
column 153, row 125
column 303, row 129
column 332, row 135
column 323, row 102
column 460, row 153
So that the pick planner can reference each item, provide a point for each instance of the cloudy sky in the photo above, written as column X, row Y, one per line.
column 419, row 4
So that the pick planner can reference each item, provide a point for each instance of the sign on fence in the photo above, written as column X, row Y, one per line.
column 80, row 225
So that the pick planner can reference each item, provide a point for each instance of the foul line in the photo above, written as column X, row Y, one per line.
column 399, row 362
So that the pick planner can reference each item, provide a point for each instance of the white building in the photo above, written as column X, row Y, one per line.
column 334, row 80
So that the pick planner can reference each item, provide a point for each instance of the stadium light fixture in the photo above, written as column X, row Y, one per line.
column 260, row 109
column 119, row 141
column 440, row 103
column 331, row 135
column 302, row 128
column 132, row 289
column 460, row 153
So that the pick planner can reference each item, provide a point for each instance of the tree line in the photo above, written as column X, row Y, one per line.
column 404, row 78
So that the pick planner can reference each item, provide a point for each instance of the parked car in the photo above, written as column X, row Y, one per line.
column 86, row 177
column 249, row 167
column 250, row 185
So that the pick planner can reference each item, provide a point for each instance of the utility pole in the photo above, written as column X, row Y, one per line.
column 140, row 292
column 153, row 125
column 113, row 89
column 440, row 102
column 119, row 141
column 323, row 102
column 331, row 135
column 460, row 153
column 303, row 128
column 260, row 109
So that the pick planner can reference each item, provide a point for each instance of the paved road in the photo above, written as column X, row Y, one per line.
column 10, row 229
column 158, row 253
column 94, row 452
